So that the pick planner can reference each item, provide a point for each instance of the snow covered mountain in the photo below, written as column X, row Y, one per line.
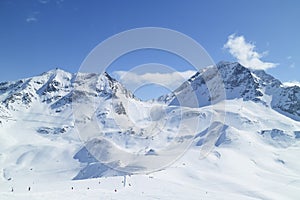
column 72, row 136
column 42, row 105
column 56, row 89
column 241, row 82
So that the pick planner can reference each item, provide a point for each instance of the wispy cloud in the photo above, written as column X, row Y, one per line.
column 44, row 1
column 32, row 17
column 170, row 81
column 245, row 53
column 291, row 83
column 292, row 65
column 290, row 61
column 58, row 2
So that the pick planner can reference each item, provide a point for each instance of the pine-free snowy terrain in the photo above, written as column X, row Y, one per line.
column 254, row 155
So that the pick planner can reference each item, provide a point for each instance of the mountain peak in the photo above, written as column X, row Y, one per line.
column 227, row 63
column 239, row 83
column 58, row 73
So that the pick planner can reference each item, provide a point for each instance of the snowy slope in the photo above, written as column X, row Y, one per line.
column 253, row 155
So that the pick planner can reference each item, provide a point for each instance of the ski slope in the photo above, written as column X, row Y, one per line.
column 244, row 165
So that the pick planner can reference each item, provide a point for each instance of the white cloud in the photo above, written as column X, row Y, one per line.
column 44, row 1
column 245, row 54
column 31, row 19
column 170, row 81
column 292, row 65
column 292, row 83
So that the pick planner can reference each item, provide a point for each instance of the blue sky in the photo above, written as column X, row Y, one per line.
column 39, row 35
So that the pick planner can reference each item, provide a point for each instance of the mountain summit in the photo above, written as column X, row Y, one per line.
column 240, row 83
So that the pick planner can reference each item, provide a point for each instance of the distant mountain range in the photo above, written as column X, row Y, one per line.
column 55, row 89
